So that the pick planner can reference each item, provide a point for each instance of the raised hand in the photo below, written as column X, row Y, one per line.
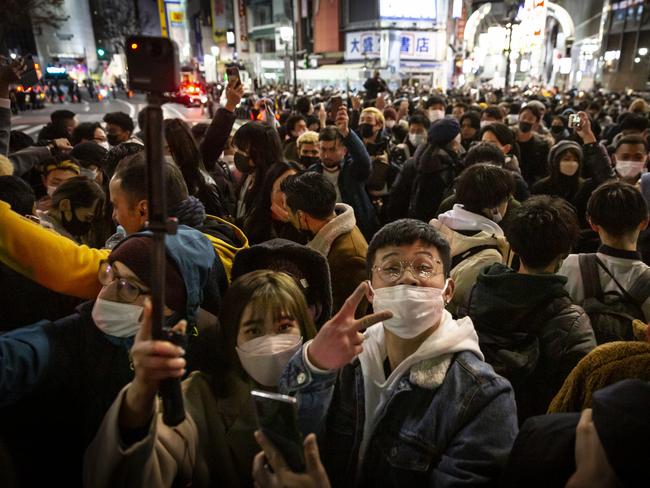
column 282, row 476
column 340, row 340
column 234, row 94
column 584, row 131
column 356, row 102
column 343, row 121
column 153, row 362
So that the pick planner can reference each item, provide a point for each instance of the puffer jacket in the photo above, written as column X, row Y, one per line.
column 530, row 332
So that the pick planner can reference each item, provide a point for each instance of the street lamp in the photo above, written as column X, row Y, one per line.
column 643, row 51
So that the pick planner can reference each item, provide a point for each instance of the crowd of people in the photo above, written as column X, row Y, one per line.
column 454, row 286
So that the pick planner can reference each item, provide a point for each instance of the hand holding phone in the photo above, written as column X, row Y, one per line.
column 314, row 476
column 233, row 75
column 277, row 418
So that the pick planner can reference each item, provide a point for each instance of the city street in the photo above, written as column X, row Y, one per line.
column 31, row 121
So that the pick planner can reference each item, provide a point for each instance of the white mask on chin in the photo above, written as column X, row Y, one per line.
column 415, row 308
column 265, row 358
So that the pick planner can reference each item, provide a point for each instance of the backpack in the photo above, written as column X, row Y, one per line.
column 516, row 358
column 612, row 313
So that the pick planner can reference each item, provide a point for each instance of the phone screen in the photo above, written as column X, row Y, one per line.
column 277, row 419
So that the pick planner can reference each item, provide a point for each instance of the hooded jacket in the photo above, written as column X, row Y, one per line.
column 345, row 248
column 530, row 332
column 425, row 180
column 76, row 370
column 442, row 418
column 465, row 231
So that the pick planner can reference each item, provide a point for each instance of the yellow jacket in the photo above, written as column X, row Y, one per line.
column 60, row 264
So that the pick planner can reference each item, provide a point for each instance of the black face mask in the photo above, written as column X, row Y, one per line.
column 557, row 129
column 242, row 163
column 308, row 161
column 75, row 226
column 525, row 127
column 112, row 139
column 365, row 130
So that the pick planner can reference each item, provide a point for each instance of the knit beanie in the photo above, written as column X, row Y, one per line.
column 135, row 253
column 620, row 415
column 443, row 131
column 308, row 267
column 559, row 148
column 89, row 153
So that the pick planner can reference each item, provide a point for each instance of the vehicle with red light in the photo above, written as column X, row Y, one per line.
column 191, row 92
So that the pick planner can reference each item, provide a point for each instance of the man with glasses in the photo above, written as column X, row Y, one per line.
column 58, row 379
column 403, row 397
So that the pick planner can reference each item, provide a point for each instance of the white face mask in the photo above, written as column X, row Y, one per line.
column 485, row 123
column 496, row 215
column 512, row 119
column 104, row 144
column 417, row 139
column 265, row 358
column 91, row 174
column 436, row 115
column 415, row 308
column 629, row 169
column 51, row 190
column 117, row 319
column 390, row 124
column 568, row 167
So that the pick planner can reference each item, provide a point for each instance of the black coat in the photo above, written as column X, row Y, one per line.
column 527, row 315
column 425, row 180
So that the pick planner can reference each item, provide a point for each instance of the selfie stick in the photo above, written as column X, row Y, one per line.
column 160, row 225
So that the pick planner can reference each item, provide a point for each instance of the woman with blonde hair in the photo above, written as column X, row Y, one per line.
column 264, row 321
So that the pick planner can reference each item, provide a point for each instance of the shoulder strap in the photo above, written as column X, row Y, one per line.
column 620, row 287
column 589, row 273
column 640, row 290
column 459, row 258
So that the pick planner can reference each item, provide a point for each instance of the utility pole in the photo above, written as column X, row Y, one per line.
column 295, row 49
column 508, row 51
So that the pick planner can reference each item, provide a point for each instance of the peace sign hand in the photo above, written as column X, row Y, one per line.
column 340, row 339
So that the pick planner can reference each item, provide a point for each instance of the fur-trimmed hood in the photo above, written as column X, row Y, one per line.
column 343, row 223
column 427, row 367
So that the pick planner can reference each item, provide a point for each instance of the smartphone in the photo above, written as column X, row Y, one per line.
column 337, row 103
column 30, row 76
column 233, row 75
column 277, row 417
column 574, row 121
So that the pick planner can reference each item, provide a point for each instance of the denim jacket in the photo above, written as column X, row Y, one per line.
column 456, row 434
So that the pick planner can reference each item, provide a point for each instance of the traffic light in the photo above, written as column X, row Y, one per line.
column 102, row 53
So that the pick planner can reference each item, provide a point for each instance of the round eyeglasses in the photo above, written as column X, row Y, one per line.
column 422, row 269
column 127, row 291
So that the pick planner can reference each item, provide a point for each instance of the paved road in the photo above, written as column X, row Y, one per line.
column 31, row 121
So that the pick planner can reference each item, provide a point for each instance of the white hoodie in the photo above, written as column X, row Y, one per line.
column 428, row 365
column 460, row 219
